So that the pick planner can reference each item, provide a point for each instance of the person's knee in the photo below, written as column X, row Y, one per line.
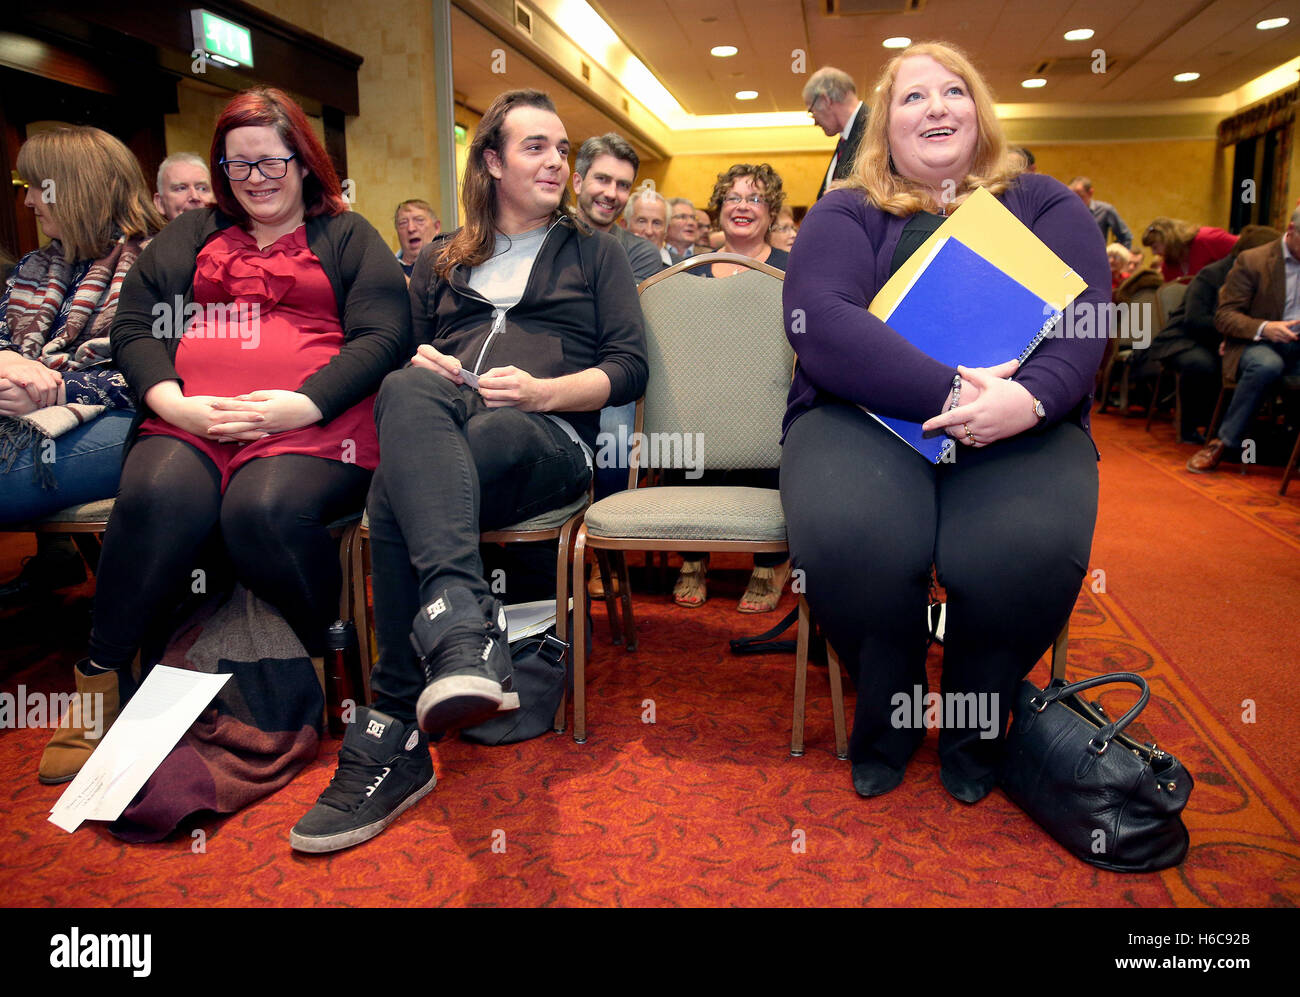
column 414, row 386
column 1261, row 363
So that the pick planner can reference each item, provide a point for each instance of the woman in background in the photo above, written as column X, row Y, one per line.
column 61, row 396
column 1184, row 248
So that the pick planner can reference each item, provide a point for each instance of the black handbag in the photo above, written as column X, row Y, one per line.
column 1111, row 801
column 540, row 669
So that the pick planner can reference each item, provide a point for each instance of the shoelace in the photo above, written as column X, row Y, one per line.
column 355, row 772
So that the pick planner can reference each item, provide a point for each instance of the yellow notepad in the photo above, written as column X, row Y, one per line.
column 986, row 226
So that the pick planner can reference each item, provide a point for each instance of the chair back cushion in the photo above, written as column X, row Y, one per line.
column 720, row 369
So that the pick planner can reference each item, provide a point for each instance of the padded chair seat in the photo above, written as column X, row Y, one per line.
column 687, row 512
column 551, row 520
column 88, row 512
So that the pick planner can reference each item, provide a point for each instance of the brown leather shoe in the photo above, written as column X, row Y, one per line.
column 596, row 586
column 1208, row 457
column 92, row 710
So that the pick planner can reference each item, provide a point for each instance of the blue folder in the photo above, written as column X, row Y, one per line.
column 961, row 309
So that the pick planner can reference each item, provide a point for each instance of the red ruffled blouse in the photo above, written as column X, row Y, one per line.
column 270, row 320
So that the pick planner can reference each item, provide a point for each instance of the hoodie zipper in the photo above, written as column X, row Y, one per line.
column 498, row 313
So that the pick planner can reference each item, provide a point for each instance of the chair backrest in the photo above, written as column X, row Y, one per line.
column 719, row 366
column 1139, row 297
column 1168, row 298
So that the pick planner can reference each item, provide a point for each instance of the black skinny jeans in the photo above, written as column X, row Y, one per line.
column 449, row 468
column 272, row 521
column 1008, row 528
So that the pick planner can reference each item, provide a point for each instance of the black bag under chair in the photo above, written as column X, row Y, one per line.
column 540, row 666
column 1111, row 801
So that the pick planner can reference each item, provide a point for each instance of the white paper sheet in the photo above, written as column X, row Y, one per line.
column 524, row 619
column 157, row 716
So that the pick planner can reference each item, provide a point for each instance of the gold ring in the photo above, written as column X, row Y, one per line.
column 969, row 435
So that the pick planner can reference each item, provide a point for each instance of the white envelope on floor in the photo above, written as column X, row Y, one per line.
column 147, row 729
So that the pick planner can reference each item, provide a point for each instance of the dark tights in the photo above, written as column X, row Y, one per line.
column 272, row 523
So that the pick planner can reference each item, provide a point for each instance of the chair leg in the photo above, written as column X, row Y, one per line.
column 89, row 544
column 1059, row 649
column 580, row 639
column 1123, row 391
column 1104, row 396
column 1155, row 397
column 1289, row 473
column 800, row 680
column 563, row 577
column 837, row 703
column 629, row 624
column 606, row 576
column 1219, row 407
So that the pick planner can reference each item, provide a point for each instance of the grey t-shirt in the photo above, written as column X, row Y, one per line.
column 502, row 280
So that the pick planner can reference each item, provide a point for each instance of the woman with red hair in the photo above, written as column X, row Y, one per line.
column 254, row 335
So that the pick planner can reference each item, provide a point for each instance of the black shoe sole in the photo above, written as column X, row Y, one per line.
column 459, row 701
column 318, row 844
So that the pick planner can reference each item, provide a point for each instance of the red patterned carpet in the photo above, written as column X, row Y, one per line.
column 706, row 806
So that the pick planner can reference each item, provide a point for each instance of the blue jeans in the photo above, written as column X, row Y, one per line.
column 1261, row 365
column 86, row 464
column 614, row 479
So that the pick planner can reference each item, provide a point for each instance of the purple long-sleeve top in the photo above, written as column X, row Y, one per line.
column 842, row 259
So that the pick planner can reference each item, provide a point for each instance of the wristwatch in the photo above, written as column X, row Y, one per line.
column 1039, row 410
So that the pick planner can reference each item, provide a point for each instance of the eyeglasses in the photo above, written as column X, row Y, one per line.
column 734, row 199
column 683, row 218
column 812, row 108
column 272, row 167
column 787, row 229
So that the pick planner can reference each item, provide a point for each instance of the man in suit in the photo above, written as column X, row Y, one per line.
column 832, row 100
column 1259, row 317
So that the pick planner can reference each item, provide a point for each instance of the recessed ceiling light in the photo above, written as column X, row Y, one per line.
column 1186, row 77
column 1273, row 22
column 1078, row 34
column 1034, row 83
column 746, row 94
column 723, row 51
column 899, row 42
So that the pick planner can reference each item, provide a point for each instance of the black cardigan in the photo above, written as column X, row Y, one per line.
column 369, row 288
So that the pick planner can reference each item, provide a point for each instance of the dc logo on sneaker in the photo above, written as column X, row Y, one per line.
column 412, row 741
column 382, row 776
column 375, row 729
column 436, row 608
column 501, row 619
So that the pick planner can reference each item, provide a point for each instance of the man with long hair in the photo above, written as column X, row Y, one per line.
column 526, row 325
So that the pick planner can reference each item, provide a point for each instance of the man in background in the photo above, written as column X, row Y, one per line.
column 646, row 215
column 832, row 100
column 1107, row 217
column 183, row 185
column 603, row 173
column 417, row 225
column 683, row 229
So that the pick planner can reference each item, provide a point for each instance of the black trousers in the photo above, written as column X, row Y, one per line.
column 272, row 523
column 449, row 468
column 1008, row 528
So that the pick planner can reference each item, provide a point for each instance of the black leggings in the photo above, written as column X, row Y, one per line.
column 1007, row 527
column 272, row 520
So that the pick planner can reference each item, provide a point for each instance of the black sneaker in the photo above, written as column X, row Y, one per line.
column 384, row 768
column 462, row 648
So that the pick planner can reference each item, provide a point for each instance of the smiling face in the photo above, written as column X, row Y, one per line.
column 648, row 220
column 44, row 216
column 933, row 126
column 274, row 207
column 603, row 192
column 531, row 169
column 415, row 229
column 185, row 187
column 745, row 221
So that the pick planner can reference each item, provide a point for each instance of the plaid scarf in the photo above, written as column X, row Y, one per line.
column 58, row 313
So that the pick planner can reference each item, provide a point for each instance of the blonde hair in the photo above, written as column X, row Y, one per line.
column 992, row 165
column 99, row 191
column 1174, row 235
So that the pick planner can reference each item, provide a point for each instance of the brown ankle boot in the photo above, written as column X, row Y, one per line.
column 84, row 723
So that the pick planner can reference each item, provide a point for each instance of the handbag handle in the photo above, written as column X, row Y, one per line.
column 1101, row 740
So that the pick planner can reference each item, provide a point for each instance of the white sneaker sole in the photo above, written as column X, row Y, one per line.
column 346, row 839
column 459, row 701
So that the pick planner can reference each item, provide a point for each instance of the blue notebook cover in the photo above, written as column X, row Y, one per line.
column 961, row 309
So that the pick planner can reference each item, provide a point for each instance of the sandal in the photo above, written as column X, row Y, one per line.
column 765, row 588
column 692, row 590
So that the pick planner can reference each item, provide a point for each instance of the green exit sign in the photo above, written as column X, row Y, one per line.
column 226, row 42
